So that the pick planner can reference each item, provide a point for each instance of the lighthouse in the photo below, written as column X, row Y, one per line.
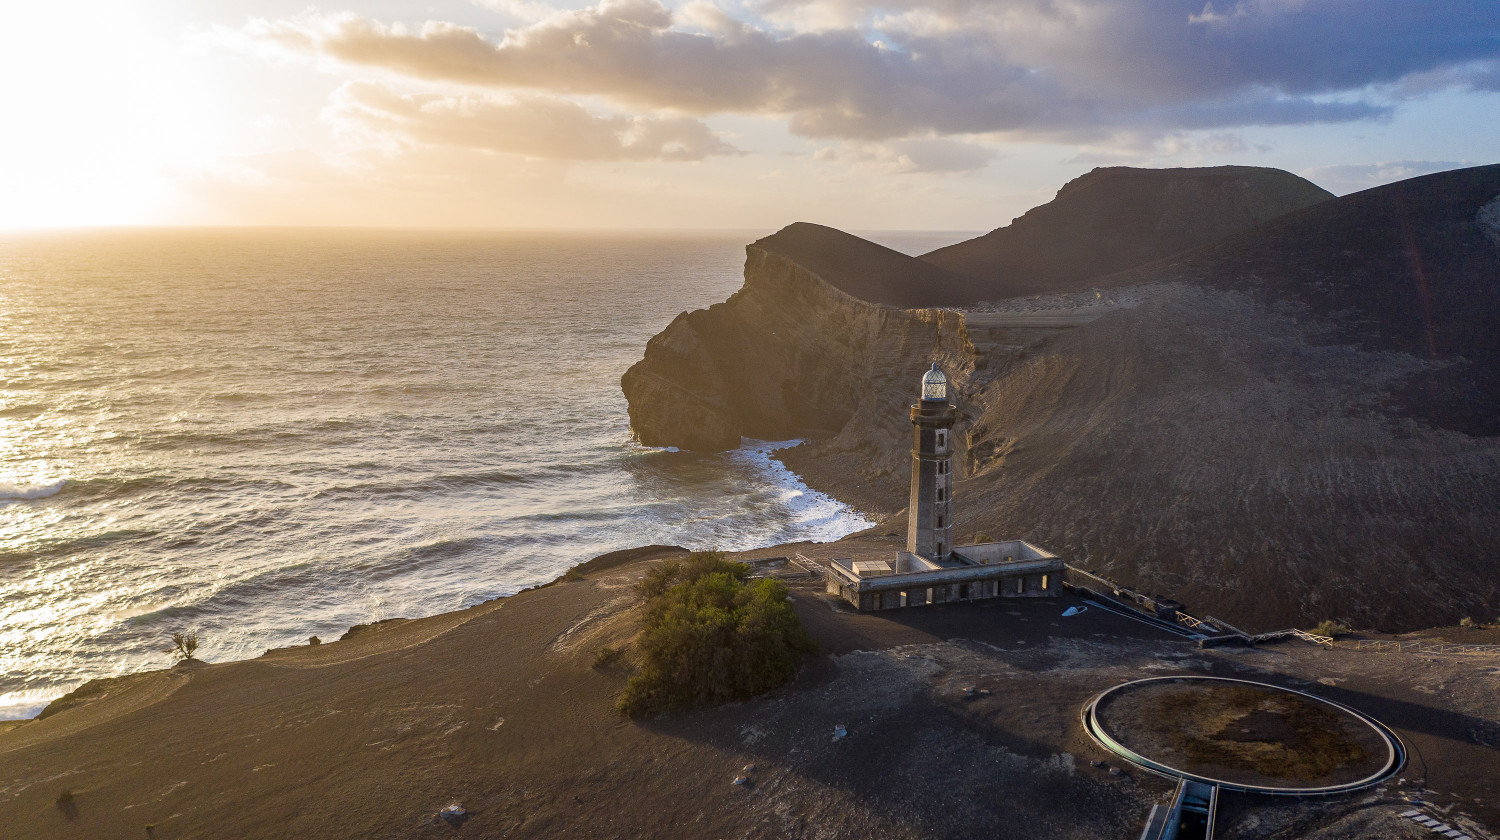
column 929, row 530
column 932, row 570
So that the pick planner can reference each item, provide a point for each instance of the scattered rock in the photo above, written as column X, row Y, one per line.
column 454, row 814
column 314, row 640
column 742, row 780
column 839, row 731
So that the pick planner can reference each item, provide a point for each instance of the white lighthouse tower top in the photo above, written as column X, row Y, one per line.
column 934, row 385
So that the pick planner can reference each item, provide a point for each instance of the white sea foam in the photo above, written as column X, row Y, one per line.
column 29, row 702
column 814, row 515
column 22, row 491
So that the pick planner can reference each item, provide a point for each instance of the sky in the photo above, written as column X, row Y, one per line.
column 861, row 114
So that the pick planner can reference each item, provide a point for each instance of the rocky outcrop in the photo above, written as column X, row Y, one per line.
column 789, row 354
column 1117, row 218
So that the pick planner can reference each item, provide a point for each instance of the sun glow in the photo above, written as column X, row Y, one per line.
column 102, row 102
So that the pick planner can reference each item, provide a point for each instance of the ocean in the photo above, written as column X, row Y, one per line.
column 266, row 435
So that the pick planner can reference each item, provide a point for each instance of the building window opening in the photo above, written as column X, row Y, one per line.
column 1044, row 581
column 1020, row 585
column 942, row 439
column 940, row 522
column 941, row 494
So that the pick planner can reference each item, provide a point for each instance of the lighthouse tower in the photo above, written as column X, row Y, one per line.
column 929, row 532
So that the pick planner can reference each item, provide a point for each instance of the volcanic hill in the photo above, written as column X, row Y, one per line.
column 1294, row 423
column 1115, row 218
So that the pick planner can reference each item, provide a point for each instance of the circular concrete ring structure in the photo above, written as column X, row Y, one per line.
column 1372, row 737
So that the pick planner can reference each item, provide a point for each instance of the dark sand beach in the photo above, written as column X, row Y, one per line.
column 501, row 708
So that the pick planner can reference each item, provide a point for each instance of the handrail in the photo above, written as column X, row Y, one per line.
column 1208, row 623
column 1425, row 647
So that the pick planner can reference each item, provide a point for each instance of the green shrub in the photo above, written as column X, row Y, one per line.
column 711, row 636
column 606, row 655
column 1331, row 628
column 1466, row 622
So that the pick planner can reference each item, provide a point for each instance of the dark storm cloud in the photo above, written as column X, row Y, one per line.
column 1047, row 69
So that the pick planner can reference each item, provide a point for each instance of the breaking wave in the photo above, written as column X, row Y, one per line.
column 37, row 490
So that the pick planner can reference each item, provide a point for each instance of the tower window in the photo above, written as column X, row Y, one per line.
column 941, row 494
column 942, row 439
column 940, row 522
column 940, row 548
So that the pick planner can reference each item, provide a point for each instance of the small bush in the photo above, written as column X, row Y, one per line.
column 1332, row 628
column 314, row 640
column 658, row 580
column 183, row 645
column 1466, row 622
column 65, row 798
column 982, row 538
column 606, row 655
column 711, row 636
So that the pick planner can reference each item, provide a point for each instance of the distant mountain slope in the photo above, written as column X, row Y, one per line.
column 868, row 271
column 1116, row 218
column 1403, row 267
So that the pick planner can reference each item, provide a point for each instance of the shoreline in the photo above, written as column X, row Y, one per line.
column 759, row 455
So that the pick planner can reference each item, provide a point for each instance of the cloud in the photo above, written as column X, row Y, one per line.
column 1347, row 178
column 534, row 126
column 905, row 157
column 1029, row 69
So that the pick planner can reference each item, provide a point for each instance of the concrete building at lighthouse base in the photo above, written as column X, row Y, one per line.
column 932, row 570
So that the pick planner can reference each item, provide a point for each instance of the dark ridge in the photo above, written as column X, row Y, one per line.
column 870, row 272
column 615, row 559
column 1116, row 218
column 1402, row 267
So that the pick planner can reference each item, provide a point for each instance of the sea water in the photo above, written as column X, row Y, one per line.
column 266, row 435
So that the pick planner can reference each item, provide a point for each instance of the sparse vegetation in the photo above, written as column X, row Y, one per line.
column 711, row 636
column 606, row 655
column 183, row 645
column 1331, row 628
column 1466, row 622
column 65, row 799
column 314, row 640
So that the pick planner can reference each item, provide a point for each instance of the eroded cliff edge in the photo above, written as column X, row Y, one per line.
column 1296, row 423
column 790, row 354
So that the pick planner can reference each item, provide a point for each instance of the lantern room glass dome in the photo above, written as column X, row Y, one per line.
column 934, row 385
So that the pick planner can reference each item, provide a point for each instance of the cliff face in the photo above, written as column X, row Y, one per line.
column 1117, row 218
column 1293, row 424
column 787, row 355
